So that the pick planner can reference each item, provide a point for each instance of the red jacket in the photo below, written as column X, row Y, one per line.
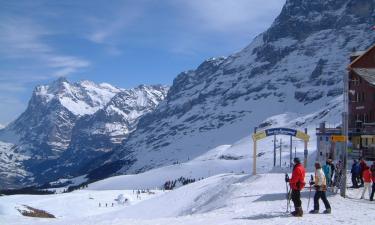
column 373, row 172
column 367, row 175
column 297, row 182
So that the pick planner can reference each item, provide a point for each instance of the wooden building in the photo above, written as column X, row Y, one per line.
column 362, row 103
column 361, row 112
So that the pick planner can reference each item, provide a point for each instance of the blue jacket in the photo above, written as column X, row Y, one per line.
column 327, row 171
column 355, row 169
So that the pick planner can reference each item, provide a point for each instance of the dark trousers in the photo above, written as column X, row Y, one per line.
column 354, row 180
column 372, row 192
column 296, row 198
column 321, row 195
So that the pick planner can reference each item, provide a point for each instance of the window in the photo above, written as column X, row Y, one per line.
column 321, row 138
column 363, row 96
column 326, row 138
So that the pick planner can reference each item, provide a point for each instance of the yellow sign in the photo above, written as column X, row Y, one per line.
column 302, row 135
column 259, row 135
column 338, row 138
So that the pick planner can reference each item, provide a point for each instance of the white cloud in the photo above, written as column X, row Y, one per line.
column 231, row 15
column 22, row 39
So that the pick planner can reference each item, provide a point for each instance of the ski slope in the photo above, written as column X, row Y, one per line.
column 220, row 199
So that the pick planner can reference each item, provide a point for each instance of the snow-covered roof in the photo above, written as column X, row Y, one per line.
column 357, row 53
column 360, row 56
column 366, row 73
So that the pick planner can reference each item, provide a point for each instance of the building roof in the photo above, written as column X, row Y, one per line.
column 357, row 53
column 360, row 57
column 366, row 73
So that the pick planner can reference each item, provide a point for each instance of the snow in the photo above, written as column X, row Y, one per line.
column 220, row 199
column 226, row 195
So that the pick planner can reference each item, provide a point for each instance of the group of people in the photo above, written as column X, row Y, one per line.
column 329, row 175
column 364, row 176
column 297, row 183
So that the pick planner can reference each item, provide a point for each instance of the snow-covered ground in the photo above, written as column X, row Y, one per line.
column 220, row 199
column 227, row 194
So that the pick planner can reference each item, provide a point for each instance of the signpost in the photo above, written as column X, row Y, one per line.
column 338, row 138
column 279, row 131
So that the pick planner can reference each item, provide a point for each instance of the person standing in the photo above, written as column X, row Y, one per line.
column 338, row 174
column 372, row 169
column 333, row 172
column 327, row 172
column 297, row 183
column 355, row 173
column 367, row 181
column 320, row 185
column 362, row 165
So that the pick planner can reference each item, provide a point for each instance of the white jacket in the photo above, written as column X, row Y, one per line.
column 320, row 178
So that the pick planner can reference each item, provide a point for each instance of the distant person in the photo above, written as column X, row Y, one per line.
column 338, row 174
column 366, row 175
column 372, row 169
column 333, row 172
column 297, row 183
column 355, row 173
column 362, row 165
column 327, row 172
column 320, row 185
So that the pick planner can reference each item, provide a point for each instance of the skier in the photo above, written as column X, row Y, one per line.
column 333, row 172
column 338, row 174
column 297, row 183
column 373, row 181
column 367, row 181
column 327, row 172
column 320, row 185
column 362, row 165
column 355, row 173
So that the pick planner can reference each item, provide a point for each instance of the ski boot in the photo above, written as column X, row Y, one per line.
column 314, row 211
column 298, row 212
column 327, row 211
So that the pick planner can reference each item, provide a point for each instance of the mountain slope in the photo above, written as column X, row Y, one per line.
column 295, row 66
column 66, row 124
column 44, row 130
column 96, row 135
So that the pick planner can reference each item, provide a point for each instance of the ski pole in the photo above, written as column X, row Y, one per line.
column 287, row 191
column 308, row 202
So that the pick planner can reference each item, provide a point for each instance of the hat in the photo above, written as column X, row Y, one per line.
column 296, row 160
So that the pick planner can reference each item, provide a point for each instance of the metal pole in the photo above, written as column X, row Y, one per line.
column 305, row 152
column 291, row 151
column 255, row 154
column 274, row 150
column 295, row 152
column 281, row 142
column 345, row 133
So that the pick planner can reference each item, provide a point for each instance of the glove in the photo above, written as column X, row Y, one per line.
column 312, row 183
column 286, row 178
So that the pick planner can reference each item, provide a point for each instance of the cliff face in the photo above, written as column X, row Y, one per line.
column 296, row 66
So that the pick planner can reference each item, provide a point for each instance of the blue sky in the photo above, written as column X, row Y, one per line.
column 124, row 43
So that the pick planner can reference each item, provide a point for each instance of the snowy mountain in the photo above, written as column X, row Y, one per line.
column 96, row 135
column 295, row 68
column 62, row 115
column 44, row 130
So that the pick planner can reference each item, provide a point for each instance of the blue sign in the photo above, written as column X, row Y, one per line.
column 281, row 131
